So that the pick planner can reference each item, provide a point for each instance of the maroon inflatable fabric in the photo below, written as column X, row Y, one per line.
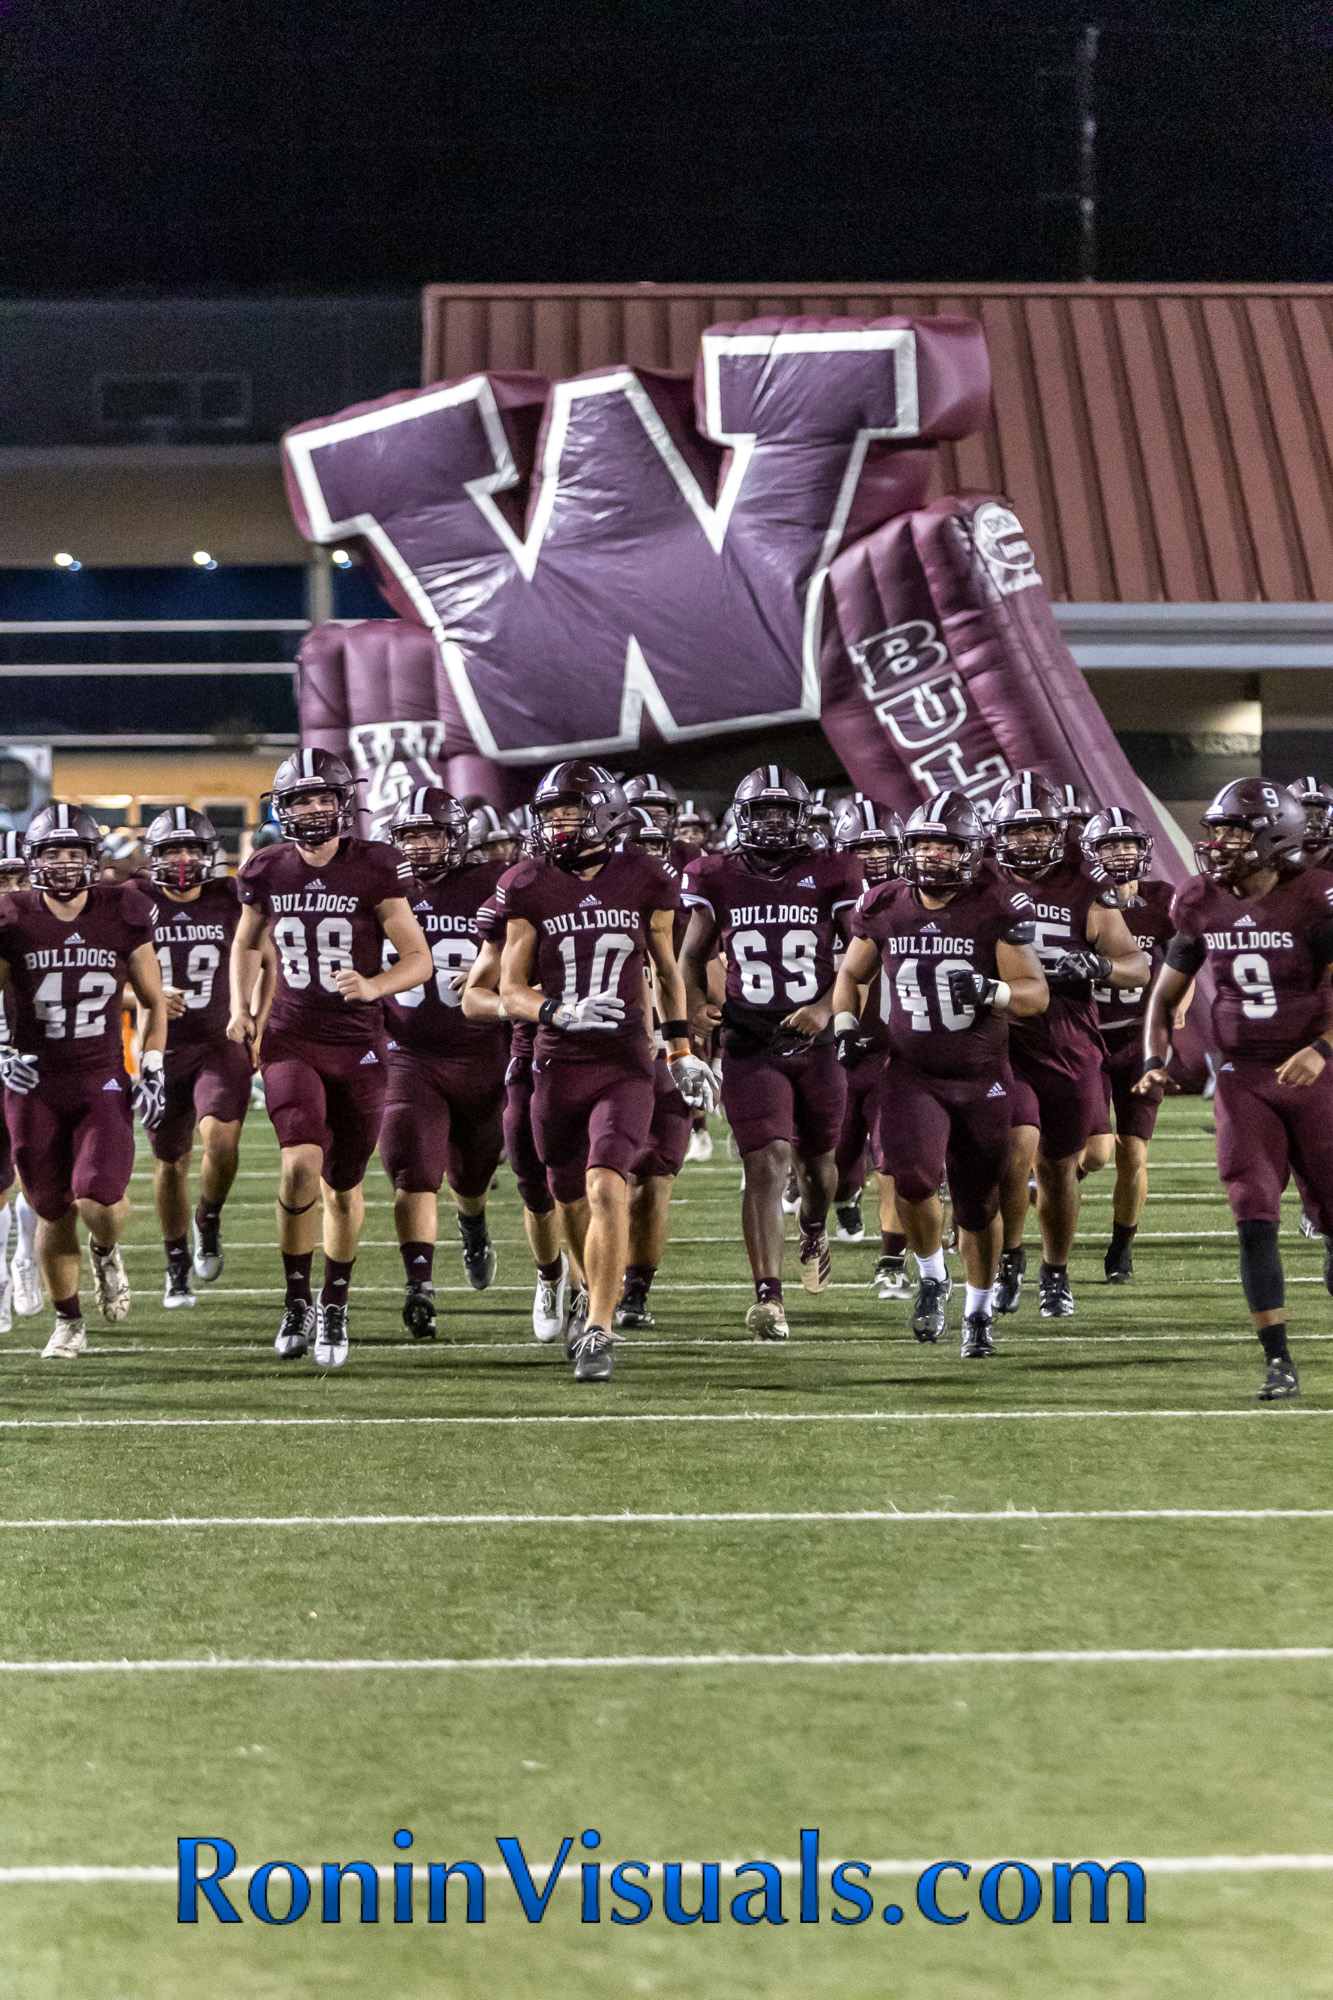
column 591, row 554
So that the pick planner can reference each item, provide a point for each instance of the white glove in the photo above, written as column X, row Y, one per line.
column 17, row 1072
column 597, row 1010
column 150, row 1090
column 694, row 1080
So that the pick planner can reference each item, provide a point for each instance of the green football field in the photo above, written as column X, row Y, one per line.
column 1107, row 1485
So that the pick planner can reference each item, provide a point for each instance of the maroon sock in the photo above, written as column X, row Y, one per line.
column 296, row 1264
column 337, row 1277
column 207, row 1211
column 178, row 1252
column 550, row 1273
column 768, row 1291
column 640, row 1274
column 67, row 1308
column 892, row 1243
column 418, row 1262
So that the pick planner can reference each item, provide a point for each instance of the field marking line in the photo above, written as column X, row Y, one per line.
column 890, row 1515
column 1171, row 1864
column 493, row 1871
column 1127, row 1656
column 897, row 1333
column 654, row 1417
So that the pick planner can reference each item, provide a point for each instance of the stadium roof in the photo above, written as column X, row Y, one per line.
column 1162, row 443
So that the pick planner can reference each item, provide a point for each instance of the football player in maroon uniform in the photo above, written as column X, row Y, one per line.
column 956, row 947
column 195, row 913
column 13, row 875
column 1316, row 801
column 446, row 1089
column 695, row 826
column 1263, row 925
column 67, row 946
column 328, row 901
column 654, row 796
column 874, row 835
column 1080, row 807
column 779, row 910
column 1116, row 841
column 490, row 836
column 1056, row 1055
column 581, row 926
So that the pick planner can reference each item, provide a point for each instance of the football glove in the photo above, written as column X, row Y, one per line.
column 694, row 1080
column 972, row 989
column 1078, row 972
column 17, row 1072
column 595, row 1010
column 852, row 1046
column 149, row 1095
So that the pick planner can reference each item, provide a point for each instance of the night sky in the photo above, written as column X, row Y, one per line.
column 365, row 145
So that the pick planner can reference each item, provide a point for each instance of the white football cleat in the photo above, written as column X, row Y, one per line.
column 296, row 1332
column 111, row 1287
column 7, row 1306
column 67, row 1340
column 177, row 1291
column 207, row 1263
column 767, row 1319
column 700, row 1148
column 27, row 1280
column 549, row 1303
column 331, row 1336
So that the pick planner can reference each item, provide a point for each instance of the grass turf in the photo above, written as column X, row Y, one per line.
column 684, row 1762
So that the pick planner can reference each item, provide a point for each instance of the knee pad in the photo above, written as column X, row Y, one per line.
column 1260, row 1266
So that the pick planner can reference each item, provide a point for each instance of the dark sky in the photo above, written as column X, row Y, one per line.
column 360, row 145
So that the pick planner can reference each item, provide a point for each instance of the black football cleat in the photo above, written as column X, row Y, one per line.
column 978, row 1338
column 1009, row 1280
column 419, row 1311
column 632, row 1312
column 594, row 1355
column 851, row 1227
column 1053, row 1291
column 931, row 1312
column 1118, row 1266
column 479, row 1258
column 296, row 1332
column 578, row 1319
column 1281, row 1382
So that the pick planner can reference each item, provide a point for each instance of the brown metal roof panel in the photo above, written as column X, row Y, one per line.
column 1308, row 496
column 1089, row 578
column 1126, row 528
column 1260, row 489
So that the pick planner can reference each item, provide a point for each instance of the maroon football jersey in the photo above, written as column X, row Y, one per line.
column 429, row 1019
column 193, row 944
column 323, row 922
column 1269, row 957
column 918, row 950
column 67, row 976
column 592, row 937
column 1120, row 1009
column 1061, row 904
column 778, row 932
column 491, row 930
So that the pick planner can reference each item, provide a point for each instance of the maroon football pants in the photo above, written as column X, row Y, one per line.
column 932, row 1126
column 799, row 1098
column 1066, row 1100
column 442, row 1121
column 669, row 1134
column 1135, row 1117
column 210, row 1081
column 1266, row 1129
column 73, row 1140
column 330, row 1095
column 858, row 1126
column 534, row 1188
column 590, row 1113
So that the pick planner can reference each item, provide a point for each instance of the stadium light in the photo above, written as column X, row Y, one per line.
column 341, row 558
column 204, row 559
column 66, row 561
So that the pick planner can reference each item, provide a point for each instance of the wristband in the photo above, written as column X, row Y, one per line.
column 1003, row 993
column 1325, row 1048
column 1156, row 1062
column 676, row 1031
column 547, row 1012
column 152, row 1059
column 845, row 1024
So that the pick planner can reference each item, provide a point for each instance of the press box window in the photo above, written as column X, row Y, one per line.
column 164, row 405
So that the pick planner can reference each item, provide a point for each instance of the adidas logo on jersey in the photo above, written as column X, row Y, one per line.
column 421, row 906
column 997, row 1090
column 73, row 938
column 369, row 1057
column 1244, row 920
column 586, row 901
column 316, row 884
column 934, row 928
column 111, row 1084
column 806, row 882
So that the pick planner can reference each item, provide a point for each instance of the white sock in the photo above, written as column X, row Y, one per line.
column 977, row 1300
column 26, row 1215
column 6, row 1219
column 932, row 1266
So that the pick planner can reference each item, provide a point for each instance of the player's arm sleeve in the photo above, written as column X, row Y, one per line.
column 1186, row 954
column 1023, row 932
column 1321, row 942
column 694, row 889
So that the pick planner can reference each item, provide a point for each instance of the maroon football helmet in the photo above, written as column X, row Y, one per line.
column 647, row 789
column 490, row 837
column 1117, row 827
column 1317, row 803
column 1080, row 807
column 645, row 831
column 430, row 830
column 1253, row 824
column 13, row 863
column 297, row 778
column 601, row 806
column 190, row 838
column 1027, row 824
column 949, row 817
column 772, row 817
column 873, row 832
column 695, row 825
column 59, row 825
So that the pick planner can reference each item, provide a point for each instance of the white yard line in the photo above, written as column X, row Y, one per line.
column 611, row 1662
column 1287, row 1414
column 898, row 1333
column 891, row 1515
